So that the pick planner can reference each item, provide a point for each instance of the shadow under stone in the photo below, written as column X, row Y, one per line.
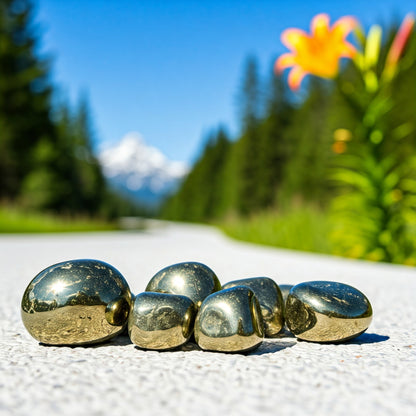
column 120, row 340
column 268, row 346
column 361, row 339
column 189, row 346
column 367, row 338
column 272, row 345
column 284, row 333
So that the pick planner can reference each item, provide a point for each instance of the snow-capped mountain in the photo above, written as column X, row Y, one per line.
column 141, row 170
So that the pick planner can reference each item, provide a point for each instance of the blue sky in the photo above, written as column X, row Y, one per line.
column 171, row 70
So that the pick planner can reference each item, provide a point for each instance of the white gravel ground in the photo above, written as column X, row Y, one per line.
column 374, row 374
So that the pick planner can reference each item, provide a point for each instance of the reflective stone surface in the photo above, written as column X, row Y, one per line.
column 230, row 321
column 76, row 302
column 161, row 321
column 270, row 299
column 327, row 311
column 191, row 279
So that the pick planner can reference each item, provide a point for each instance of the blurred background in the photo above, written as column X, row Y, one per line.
column 172, row 110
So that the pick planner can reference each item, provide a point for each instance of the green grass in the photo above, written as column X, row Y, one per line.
column 302, row 228
column 305, row 229
column 14, row 220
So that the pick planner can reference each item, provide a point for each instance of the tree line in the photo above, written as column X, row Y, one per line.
column 47, row 160
column 281, row 155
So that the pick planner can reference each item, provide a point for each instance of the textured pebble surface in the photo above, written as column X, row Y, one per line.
column 373, row 374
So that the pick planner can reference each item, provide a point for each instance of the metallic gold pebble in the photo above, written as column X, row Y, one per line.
column 230, row 321
column 161, row 321
column 76, row 302
column 270, row 299
column 323, row 311
column 191, row 279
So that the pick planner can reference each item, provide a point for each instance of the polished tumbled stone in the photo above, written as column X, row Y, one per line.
column 230, row 321
column 76, row 302
column 323, row 311
column 270, row 300
column 191, row 279
column 161, row 321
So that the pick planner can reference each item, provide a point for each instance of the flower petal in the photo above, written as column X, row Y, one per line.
column 347, row 50
column 319, row 52
column 293, row 38
column 296, row 76
column 320, row 25
column 400, row 40
column 344, row 25
column 284, row 61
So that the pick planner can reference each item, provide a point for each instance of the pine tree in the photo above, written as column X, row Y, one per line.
column 274, row 142
column 248, row 148
column 25, row 94
column 46, row 154
column 75, row 161
column 90, row 179
column 200, row 196
column 305, row 174
column 216, row 162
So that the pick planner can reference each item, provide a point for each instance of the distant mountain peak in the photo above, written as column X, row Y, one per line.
column 141, row 170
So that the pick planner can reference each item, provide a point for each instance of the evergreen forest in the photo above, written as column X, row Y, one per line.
column 47, row 160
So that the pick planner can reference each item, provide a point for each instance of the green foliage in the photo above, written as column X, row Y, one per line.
column 275, row 143
column 16, row 220
column 199, row 197
column 305, row 172
column 375, row 209
column 304, row 228
column 249, row 100
column 248, row 147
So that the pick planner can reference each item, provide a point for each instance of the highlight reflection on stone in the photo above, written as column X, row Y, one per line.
column 191, row 279
column 229, row 321
column 161, row 321
column 270, row 299
column 76, row 302
column 323, row 311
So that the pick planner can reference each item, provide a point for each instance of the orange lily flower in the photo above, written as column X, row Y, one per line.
column 319, row 52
